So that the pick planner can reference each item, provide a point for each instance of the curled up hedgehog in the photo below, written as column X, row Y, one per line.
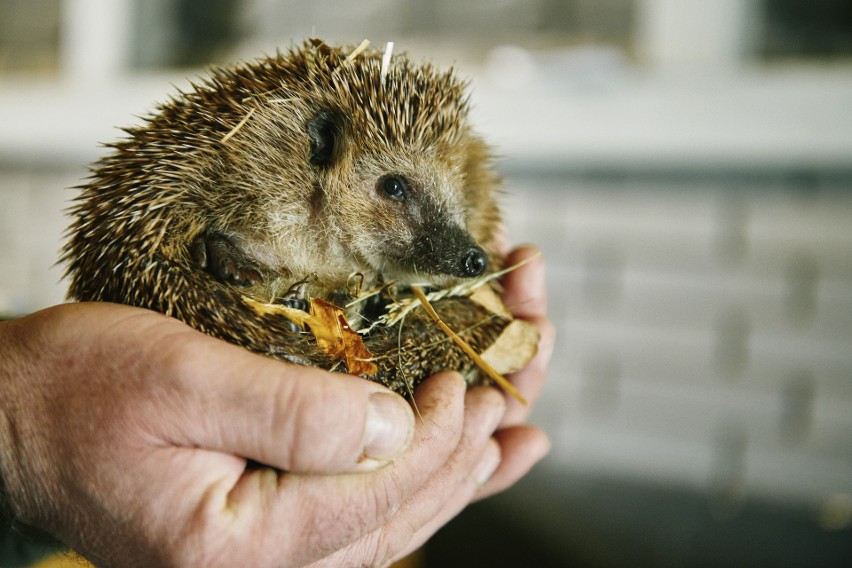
column 292, row 204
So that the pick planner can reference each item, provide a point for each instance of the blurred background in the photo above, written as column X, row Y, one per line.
column 686, row 167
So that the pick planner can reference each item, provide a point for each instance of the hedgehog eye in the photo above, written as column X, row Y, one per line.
column 395, row 187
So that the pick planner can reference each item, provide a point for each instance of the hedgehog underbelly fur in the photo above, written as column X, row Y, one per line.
column 309, row 174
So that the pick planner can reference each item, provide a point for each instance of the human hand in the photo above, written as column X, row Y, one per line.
column 128, row 436
column 519, row 446
column 526, row 297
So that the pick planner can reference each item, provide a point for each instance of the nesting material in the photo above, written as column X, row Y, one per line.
column 483, row 365
column 515, row 346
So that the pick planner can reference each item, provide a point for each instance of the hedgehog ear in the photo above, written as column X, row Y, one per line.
column 323, row 129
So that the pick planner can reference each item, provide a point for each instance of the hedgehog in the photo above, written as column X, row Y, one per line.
column 321, row 172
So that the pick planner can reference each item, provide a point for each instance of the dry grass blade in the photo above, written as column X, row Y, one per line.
column 481, row 363
column 351, row 57
column 299, row 317
column 239, row 125
column 386, row 59
column 398, row 310
column 358, row 50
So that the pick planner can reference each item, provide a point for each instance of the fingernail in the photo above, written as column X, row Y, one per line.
column 390, row 426
column 488, row 464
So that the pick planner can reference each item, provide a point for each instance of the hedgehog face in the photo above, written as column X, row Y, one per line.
column 400, row 209
column 325, row 169
column 414, row 229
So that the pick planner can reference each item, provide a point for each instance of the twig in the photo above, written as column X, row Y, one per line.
column 480, row 362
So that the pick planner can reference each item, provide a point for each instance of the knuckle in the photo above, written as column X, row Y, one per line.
column 322, row 426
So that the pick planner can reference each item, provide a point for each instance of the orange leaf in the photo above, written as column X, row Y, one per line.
column 338, row 340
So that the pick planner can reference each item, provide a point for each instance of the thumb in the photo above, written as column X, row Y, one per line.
column 294, row 418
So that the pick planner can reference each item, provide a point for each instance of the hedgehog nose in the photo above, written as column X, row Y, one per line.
column 475, row 261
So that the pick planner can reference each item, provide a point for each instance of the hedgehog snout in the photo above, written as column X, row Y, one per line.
column 449, row 251
column 474, row 262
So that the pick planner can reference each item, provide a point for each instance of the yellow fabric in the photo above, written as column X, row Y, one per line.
column 412, row 561
column 63, row 560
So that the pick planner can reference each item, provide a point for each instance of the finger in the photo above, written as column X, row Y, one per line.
column 293, row 418
column 464, row 494
column 336, row 511
column 443, row 494
column 450, row 489
column 522, row 447
column 530, row 380
column 503, row 463
column 464, row 468
column 526, row 294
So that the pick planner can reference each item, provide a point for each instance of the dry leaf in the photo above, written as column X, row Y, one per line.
column 514, row 348
column 486, row 297
column 338, row 340
column 331, row 330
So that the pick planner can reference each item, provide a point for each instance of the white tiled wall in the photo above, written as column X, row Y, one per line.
column 31, row 227
column 705, row 331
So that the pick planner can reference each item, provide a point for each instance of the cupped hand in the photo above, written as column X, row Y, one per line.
column 526, row 297
column 138, row 441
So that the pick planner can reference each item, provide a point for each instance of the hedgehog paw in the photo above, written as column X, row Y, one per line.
column 295, row 297
column 221, row 258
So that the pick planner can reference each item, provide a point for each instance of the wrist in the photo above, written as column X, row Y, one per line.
column 6, row 398
column 12, row 445
column 5, row 509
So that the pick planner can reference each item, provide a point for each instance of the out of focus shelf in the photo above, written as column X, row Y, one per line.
column 787, row 117
column 759, row 119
